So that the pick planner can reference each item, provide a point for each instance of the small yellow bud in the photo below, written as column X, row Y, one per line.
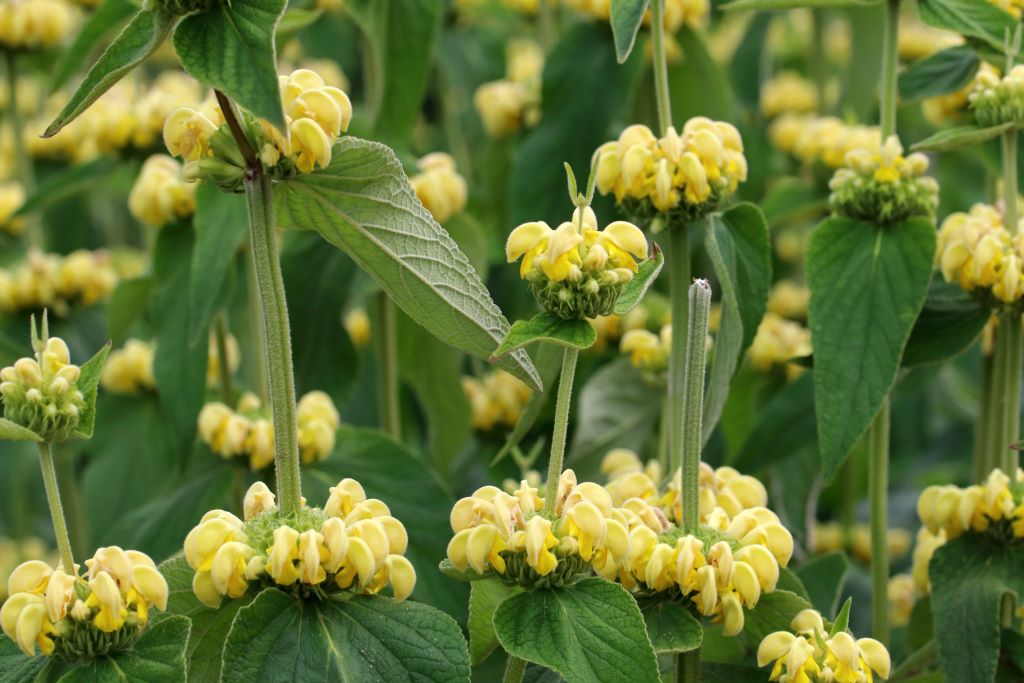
column 258, row 499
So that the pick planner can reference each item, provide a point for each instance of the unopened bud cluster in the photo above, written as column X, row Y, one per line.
column 777, row 342
column 497, row 400
column 577, row 270
column 788, row 93
column 880, row 185
column 809, row 654
column 42, row 394
column 996, row 100
column 249, row 433
column 824, row 140
column 74, row 617
column 439, row 186
column 160, row 194
column 316, row 114
column 57, row 282
column 684, row 176
column 353, row 544
column 34, row 24
column 509, row 104
column 995, row 507
column 12, row 196
column 981, row 254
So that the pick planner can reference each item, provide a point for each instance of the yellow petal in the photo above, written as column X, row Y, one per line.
column 526, row 237
column 402, row 576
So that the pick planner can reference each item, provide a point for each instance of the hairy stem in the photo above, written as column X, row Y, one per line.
column 696, row 357
column 878, row 496
column 257, row 352
column 887, row 96
column 562, row 406
column 1006, row 391
column 661, row 91
column 386, row 338
column 679, row 283
column 64, row 460
column 60, row 529
column 983, row 422
column 688, row 667
column 514, row 670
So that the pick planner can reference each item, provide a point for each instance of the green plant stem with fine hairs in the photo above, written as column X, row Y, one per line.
column 60, row 529
column 386, row 336
column 660, row 60
column 890, row 53
column 563, row 404
column 515, row 668
column 1010, row 335
column 878, row 500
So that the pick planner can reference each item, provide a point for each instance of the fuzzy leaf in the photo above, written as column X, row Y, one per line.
column 157, row 657
column 823, row 577
column 88, row 383
column 626, row 17
column 981, row 20
column 962, row 136
column 12, row 431
column 672, row 628
column 575, row 333
column 949, row 324
column 484, row 598
column 635, row 289
column 109, row 15
column 944, row 72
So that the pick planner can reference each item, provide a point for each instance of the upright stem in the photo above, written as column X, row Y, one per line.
column 257, row 348
column 1008, row 369
column 22, row 160
column 1011, row 217
column 514, row 670
column 277, row 338
column 227, row 394
column 661, row 92
column 696, row 352
column 60, row 529
column 562, row 406
column 890, row 41
column 688, row 667
column 983, row 423
column 387, row 368
column 878, row 487
column 679, row 283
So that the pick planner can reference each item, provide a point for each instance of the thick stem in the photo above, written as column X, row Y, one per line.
column 60, row 529
column 679, row 284
column 1011, row 218
column 257, row 350
column 890, row 41
column 1009, row 360
column 277, row 338
column 514, row 670
column 696, row 356
column 22, row 160
column 688, row 667
column 983, row 423
column 558, row 437
column 878, row 496
column 387, row 368
column 227, row 393
column 661, row 92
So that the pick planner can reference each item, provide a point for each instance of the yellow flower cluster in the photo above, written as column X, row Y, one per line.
column 810, row 655
column 357, row 325
column 14, row 552
column 12, row 196
column 918, row 40
column 129, row 369
column 508, row 104
column 647, row 351
column 41, row 393
column 352, row 544
column 777, row 342
column 34, row 24
column 497, row 400
column 820, row 139
column 576, row 270
column 829, row 536
column 978, row 252
column 993, row 505
column 689, row 173
column 996, row 100
column 57, row 282
column 248, row 431
column 439, row 186
column 160, row 194
column 68, row 615
column 788, row 93
column 789, row 300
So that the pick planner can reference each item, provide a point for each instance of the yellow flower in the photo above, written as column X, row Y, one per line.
column 130, row 368
column 501, row 106
column 539, row 542
column 439, row 186
column 12, row 196
column 160, row 194
column 310, row 145
column 357, row 325
column 258, row 499
column 283, row 556
column 187, row 134
column 788, row 92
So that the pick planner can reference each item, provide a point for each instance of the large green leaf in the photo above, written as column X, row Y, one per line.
column 15, row 667
column 785, row 424
column 672, row 627
column 981, row 20
column 157, row 657
column 362, row 203
column 867, row 287
column 401, row 36
column 737, row 243
column 792, row 199
column 949, row 324
column 88, row 383
column 139, row 39
column 230, row 47
column 633, row 292
column 361, row 640
column 221, row 224
column 970, row 575
column 590, row 632
column 484, row 598
column 109, row 16
column 944, row 72
column 575, row 333
column 960, row 137
column 823, row 576
column 773, row 612
column 626, row 17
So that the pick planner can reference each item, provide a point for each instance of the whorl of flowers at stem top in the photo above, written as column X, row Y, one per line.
column 35, row 24
column 824, row 140
column 160, row 194
column 684, row 176
column 513, row 102
column 352, row 545
column 995, row 100
column 57, row 282
column 439, row 186
column 41, row 394
column 788, row 93
column 72, row 617
column 981, row 254
column 777, row 342
column 995, row 507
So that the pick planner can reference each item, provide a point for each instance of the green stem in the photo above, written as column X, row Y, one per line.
column 558, row 437
column 914, row 662
column 890, row 54
column 60, row 529
column 983, row 423
column 663, row 436
column 1008, row 368
column 514, row 670
column 696, row 356
column 848, row 499
column 1010, row 185
column 387, row 368
column 679, row 284
column 22, row 160
column 688, row 667
column 878, row 497
column 227, row 393
column 257, row 349
column 661, row 91
column 277, row 338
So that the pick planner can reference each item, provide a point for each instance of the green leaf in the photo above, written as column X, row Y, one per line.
column 143, row 35
column 209, row 626
column 949, row 324
column 634, row 291
column 575, row 333
column 842, row 621
column 944, row 72
column 773, row 612
column 981, row 20
column 101, row 22
column 126, row 304
column 823, row 576
column 785, row 424
column 466, row 575
column 15, row 667
column 548, row 359
column 401, row 36
column 362, row 204
column 713, row 672
column 363, row 638
column 867, row 287
column 66, row 183
column 230, row 47
column 737, row 243
column 672, row 628
column 626, row 17
column 970, row 575
column 484, row 598
column 789, row 581
column 921, row 629
column 88, row 383
column 962, row 136
column 794, row 4
column 157, row 657
column 590, row 632
column 792, row 199
column 221, row 224
column 12, row 431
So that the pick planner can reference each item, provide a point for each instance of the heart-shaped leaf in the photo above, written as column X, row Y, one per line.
column 157, row 657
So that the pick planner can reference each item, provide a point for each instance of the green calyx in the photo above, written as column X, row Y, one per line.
column 77, row 641
column 49, row 407
column 260, row 529
column 704, row 534
column 861, row 197
column 643, row 212
column 570, row 570
column 585, row 298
